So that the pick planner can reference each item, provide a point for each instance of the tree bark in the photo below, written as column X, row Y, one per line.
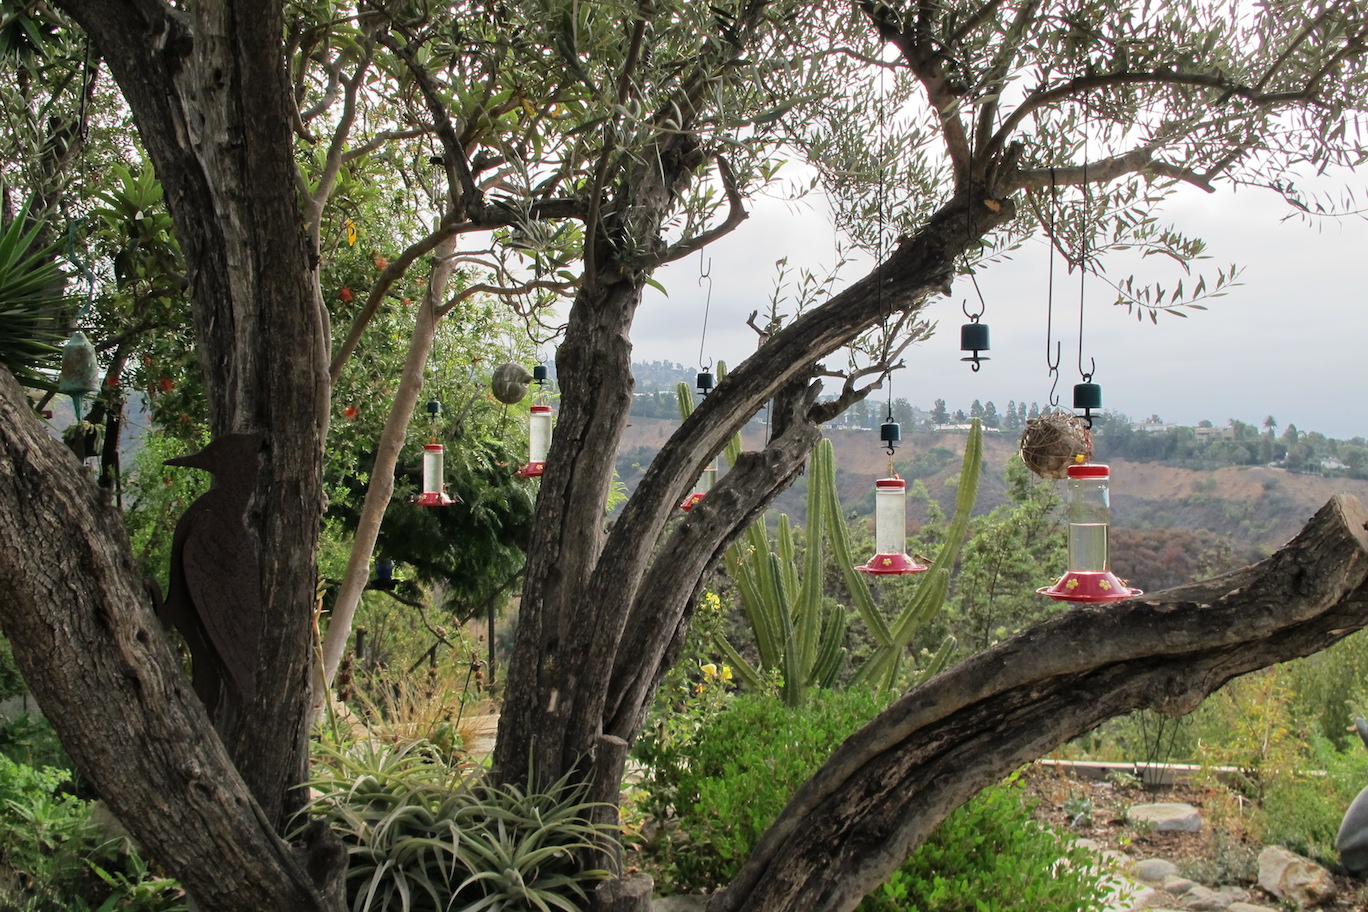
column 888, row 786
column 210, row 94
column 81, row 622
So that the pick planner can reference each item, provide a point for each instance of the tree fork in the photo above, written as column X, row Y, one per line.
column 888, row 786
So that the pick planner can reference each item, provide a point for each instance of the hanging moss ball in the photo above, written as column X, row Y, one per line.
column 510, row 382
column 1055, row 441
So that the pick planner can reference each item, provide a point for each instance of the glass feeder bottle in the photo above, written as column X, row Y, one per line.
column 890, row 530
column 538, row 441
column 1089, row 578
column 704, row 485
column 434, row 455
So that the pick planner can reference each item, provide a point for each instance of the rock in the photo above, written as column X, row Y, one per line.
column 682, row 903
column 1247, row 907
column 1166, row 817
column 631, row 893
column 1154, row 870
column 1289, row 876
column 1205, row 899
column 1177, row 885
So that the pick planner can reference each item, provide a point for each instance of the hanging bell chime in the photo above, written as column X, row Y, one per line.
column 80, row 374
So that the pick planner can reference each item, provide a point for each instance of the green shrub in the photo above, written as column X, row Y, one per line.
column 54, row 859
column 423, row 834
column 729, row 782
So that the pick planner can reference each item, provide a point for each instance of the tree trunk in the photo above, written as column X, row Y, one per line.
column 888, row 786
column 96, row 658
column 189, row 79
column 380, row 490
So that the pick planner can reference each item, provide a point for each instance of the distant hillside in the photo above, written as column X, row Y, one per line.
column 1255, row 506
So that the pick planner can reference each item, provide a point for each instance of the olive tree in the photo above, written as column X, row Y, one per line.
column 991, row 119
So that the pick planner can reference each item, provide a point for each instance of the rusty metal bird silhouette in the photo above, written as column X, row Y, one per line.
column 214, row 600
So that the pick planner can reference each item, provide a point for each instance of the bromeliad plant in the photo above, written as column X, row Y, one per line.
column 427, row 835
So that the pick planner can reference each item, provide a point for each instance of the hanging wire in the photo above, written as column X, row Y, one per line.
column 1083, row 259
column 1052, row 360
column 704, row 275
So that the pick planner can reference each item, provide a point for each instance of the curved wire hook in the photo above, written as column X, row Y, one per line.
column 1054, row 372
column 973, row 317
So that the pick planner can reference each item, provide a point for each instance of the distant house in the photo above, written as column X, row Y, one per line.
column 1215, row 433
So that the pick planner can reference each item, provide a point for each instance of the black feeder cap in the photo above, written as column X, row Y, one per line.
column 1087, row 396
column 890, row 432
column 434, row 408
column 705, row 382
column 974, row 339
column 539, row 374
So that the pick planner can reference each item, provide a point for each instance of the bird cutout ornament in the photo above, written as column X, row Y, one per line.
column 214, row 599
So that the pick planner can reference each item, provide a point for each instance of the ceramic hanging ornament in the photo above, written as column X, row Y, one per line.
column 80, row 375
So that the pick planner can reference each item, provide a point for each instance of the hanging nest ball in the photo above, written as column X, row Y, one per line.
column 510, row 382
column 1055, row 441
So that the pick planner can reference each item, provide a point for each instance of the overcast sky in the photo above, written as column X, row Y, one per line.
column 1289, row 341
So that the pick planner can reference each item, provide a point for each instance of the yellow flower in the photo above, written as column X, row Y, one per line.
column 710, row 670
column 711, row 601
column 887, row 561
column 1104, row 585
column 726, row 673
column 1071, row 584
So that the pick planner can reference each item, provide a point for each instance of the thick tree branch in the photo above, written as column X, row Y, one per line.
column 892, row 782
column 736, row 214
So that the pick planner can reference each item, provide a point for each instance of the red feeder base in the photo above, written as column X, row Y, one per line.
column 433, row 499
column 531, row 470
column 1091, row 586
column 691, row 501
column 892, row 563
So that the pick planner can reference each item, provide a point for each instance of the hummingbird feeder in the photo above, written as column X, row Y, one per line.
column 704, row 485
column 1089, row 578
column 434, row 458
column 434, row 455
column 538, row 441
column 890, row 530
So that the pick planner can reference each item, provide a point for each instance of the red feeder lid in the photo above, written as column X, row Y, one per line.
column 1089, row 470
column 531, row 470
column 691, row 501
column 433, row 447
column 881, row 564
column 890, row 484
column 541, row 409
column 1089, row 586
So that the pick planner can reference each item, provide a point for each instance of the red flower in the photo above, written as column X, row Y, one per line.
column 351, row 412
column 345, row 294
column 166, row 384
column 381, row 262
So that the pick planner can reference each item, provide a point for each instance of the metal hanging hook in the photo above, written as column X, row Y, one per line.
column 1053, row 365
